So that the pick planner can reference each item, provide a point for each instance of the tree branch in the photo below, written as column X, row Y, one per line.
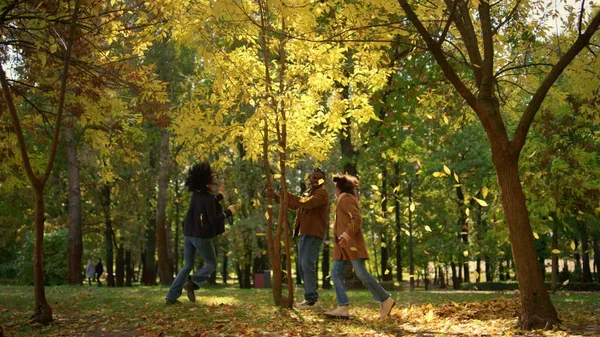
column 537, row 99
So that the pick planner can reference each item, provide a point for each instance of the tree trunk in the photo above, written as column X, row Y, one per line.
column 149, row 270
column 120, row 267
column 398, row 221
column 386, row 274
column 164, row 272
column 108, row 235
column 554, row 282
column 455, row 278
column 75, row 240
column 597, row 257
column 128, row 269
column 537, row 310
column 43, row 311
column 411, row 263
column 585, row 255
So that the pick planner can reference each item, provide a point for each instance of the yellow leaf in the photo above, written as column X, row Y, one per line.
column 261, row 234
column 267, row 215
column 445, row 119
column 383, row 245
column 466, row 253
column 276, row 176
column 580, row 212
column 412, row 207
column 573, row 245
column 481, row 203
column 426, row 252
column 484, row 192
column 456, row 178
column 566, row 282
column 354, row 249
column 439, row 174
column 555, row 251
column 321, row 181
column 396, row 284
column 550, row 218
column 430, row 317
column 375, row 187
column 476, row 274
column 447, row 170
column 535, row 235
column 427, row 228
column 387, row 271
column 467, row 211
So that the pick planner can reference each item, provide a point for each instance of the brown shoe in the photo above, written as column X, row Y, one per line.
column 189, row 287
column 386, row 307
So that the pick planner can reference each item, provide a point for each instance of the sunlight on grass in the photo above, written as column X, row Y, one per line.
column 229, row 311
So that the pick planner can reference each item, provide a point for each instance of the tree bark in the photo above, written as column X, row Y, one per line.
column 585, row 255
column 75, row 239
column 537, row 310
column 43, row 311
column 164, row 271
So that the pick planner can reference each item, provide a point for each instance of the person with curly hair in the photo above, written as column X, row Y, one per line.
column 350, row 247
column 205, row 219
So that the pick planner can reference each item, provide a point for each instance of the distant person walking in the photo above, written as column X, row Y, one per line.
column 350, row 247
column 90, row 271
column 99, row 271
column 205, row 219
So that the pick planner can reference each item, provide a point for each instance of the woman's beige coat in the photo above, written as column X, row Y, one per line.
column 348, row 219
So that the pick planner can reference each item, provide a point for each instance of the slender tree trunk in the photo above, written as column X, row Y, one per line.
column 597, row 257
column 386, row 274
column 128, row 269
column 455, row 279
column 164, row 273
column 149, row 270
column 398, row 221
column 43, row 311
column 75, row 240
column 411, row 263
column 554, row 282
column 120, row 267
column 585, row 255
column 108, row 235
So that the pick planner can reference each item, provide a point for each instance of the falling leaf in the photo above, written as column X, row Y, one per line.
column 430, row 317
column 439, row 174
column 321, row 181
column 476, row 274
column 412, row 207
column 456, row 178
column 466, row 253
column 427, row 228
column 354, row 249
column 580, row 212
column 550, row 218
column 555, row 251
column 467, row 211
column 383, row 245
column 387, row 272
column 447, row 170
column 535, row 235
column 261, row 234
column 396, row 284
column 566, row 282
column 484, row 192
column 267, row 215
column 276, row 176
column 375, row 187
column 573, row 245
column 481, row 203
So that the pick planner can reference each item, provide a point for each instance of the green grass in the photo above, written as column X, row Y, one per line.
column 229, row 311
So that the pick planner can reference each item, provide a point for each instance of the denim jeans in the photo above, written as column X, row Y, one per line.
column 190, row 246
column 337, row 273
column 308, row 253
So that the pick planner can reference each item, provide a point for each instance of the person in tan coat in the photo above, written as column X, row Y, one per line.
column 350, row 247
column 311, row 226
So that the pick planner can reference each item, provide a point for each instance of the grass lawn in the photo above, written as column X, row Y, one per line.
column 229, row 311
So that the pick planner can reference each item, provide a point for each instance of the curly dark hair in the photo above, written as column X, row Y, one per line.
column 199, row 176
column 346, row 183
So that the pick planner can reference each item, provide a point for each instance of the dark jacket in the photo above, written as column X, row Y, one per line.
column 205, row 217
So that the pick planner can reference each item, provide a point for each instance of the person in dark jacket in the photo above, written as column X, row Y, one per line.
column 99, row 271
column 311, row 226
column 205, row 219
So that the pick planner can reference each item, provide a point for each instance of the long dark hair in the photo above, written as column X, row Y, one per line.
column 199, row 176
column 346, row 183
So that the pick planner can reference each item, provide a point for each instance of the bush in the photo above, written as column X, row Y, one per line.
column 55, row 262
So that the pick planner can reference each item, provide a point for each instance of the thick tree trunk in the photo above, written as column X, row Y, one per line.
column 537, row 310
column 164, row 272
column 43, row 311
column 75, row 239
column 128, row 269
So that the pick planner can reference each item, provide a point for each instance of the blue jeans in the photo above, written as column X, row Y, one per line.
column 308, row 253
column 337, row 273
column 190, row 246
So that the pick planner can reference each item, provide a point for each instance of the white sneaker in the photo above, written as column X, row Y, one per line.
column 306, row 304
